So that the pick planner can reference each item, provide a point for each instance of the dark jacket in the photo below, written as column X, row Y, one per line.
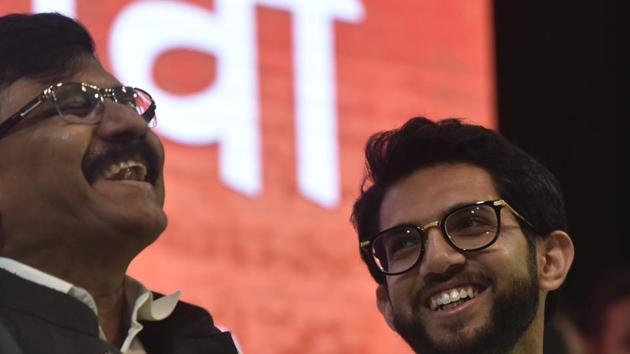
column 37, row 320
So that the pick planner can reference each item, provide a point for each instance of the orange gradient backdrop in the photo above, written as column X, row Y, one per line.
column 280, row 271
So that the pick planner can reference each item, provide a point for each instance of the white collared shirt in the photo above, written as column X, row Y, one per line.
column 142, row 305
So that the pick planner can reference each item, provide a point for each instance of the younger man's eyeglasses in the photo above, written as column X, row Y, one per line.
column 471, row 227
column 79, row 102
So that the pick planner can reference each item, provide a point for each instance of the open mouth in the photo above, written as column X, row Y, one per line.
column 134, row 162
column 451, row 298
column 130, row 170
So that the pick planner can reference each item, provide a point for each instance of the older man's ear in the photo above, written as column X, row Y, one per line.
column 555, row 256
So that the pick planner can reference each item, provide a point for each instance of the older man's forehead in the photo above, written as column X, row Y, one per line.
column 92, row 72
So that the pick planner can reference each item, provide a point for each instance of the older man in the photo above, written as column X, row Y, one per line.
column 81, row 194
column 464, row 234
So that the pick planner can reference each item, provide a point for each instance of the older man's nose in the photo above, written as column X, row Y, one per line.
column 121, row 122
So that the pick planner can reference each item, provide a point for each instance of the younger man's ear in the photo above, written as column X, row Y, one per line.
column 384, row 305
column 555, row 256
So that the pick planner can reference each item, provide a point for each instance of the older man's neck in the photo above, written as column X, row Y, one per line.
column 107, row 289
column 97, row 273
column 111, row 315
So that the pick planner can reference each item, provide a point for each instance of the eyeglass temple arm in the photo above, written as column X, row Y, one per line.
column 16, row 118
column 502, row 202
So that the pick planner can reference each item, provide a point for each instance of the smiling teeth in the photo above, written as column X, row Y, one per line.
column 451, row 296
column 127, row 170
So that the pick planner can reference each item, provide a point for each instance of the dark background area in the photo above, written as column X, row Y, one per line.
column 563, row 87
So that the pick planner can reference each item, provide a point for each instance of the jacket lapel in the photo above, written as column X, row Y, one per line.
column 188, row 330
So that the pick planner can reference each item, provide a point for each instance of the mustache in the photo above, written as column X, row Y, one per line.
column 94, row 163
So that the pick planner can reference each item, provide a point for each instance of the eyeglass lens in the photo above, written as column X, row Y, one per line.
column 142, row 102
column 399, row 249
column 78, row 103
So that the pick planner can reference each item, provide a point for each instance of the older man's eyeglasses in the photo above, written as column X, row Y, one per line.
column 468, row 228
column 79, row 102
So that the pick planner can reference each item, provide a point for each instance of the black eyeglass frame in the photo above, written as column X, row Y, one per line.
column 367, row 245
column 49, row 94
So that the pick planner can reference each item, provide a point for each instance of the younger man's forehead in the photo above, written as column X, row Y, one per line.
column 429, row 193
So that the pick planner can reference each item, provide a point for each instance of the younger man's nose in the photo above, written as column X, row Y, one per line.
column 439, row 256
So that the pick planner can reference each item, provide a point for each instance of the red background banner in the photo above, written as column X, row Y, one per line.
column 279, row 270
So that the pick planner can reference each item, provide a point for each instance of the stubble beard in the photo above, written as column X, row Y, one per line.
column 512, row 313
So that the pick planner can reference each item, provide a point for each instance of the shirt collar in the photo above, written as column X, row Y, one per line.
column 141, row 302
column 142, row 306
column 35, row 275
